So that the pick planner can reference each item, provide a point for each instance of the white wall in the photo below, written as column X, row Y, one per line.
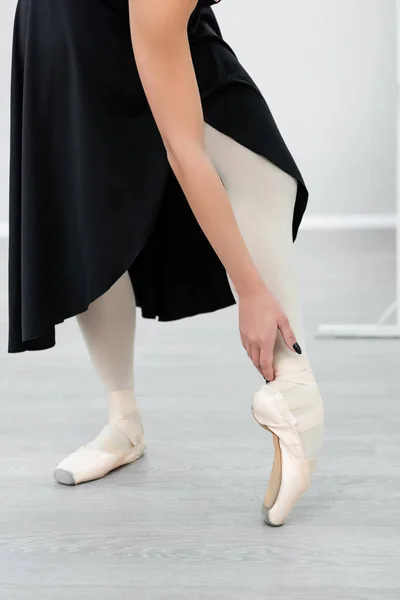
column 327, row 69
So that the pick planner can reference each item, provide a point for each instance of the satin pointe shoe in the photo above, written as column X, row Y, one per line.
column 291, row 409
column 119, row 443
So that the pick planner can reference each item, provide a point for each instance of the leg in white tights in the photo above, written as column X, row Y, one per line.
column 263, row 199
column 108, row 327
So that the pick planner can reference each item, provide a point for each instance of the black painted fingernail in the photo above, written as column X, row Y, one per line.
column 266, row 380
column 297, row 348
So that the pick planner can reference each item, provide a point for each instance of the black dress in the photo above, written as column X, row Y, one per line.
column 92, row 194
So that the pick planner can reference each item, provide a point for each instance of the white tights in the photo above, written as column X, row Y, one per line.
column 263, row 198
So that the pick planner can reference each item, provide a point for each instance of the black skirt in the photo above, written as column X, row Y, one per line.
column 92, row 194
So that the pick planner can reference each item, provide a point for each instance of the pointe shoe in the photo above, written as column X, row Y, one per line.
column 119, row 443
column 293, row 393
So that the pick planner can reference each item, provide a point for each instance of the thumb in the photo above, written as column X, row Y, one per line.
column 288, row 335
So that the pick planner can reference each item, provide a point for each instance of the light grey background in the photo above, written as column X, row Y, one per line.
column 328, row 72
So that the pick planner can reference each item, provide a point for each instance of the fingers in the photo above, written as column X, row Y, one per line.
column 261, row 357
column 288, row 335
column 255, row 357
column 266, row 363
column 251, row 354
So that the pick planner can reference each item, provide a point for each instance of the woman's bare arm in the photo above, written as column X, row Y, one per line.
column 163, row 58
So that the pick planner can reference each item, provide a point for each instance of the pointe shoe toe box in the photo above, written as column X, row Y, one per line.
column 87, row 464
column 84, row 465
column 64, row 477
column 266, row 514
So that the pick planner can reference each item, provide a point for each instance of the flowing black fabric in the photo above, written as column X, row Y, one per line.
column 91, row 191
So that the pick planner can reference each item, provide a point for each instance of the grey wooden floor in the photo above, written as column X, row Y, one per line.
column 184, row 521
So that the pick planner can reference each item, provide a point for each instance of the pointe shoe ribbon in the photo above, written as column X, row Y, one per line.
column 295, row 371
column 132, row 427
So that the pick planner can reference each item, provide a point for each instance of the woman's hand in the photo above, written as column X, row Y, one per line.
column 260, row 318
